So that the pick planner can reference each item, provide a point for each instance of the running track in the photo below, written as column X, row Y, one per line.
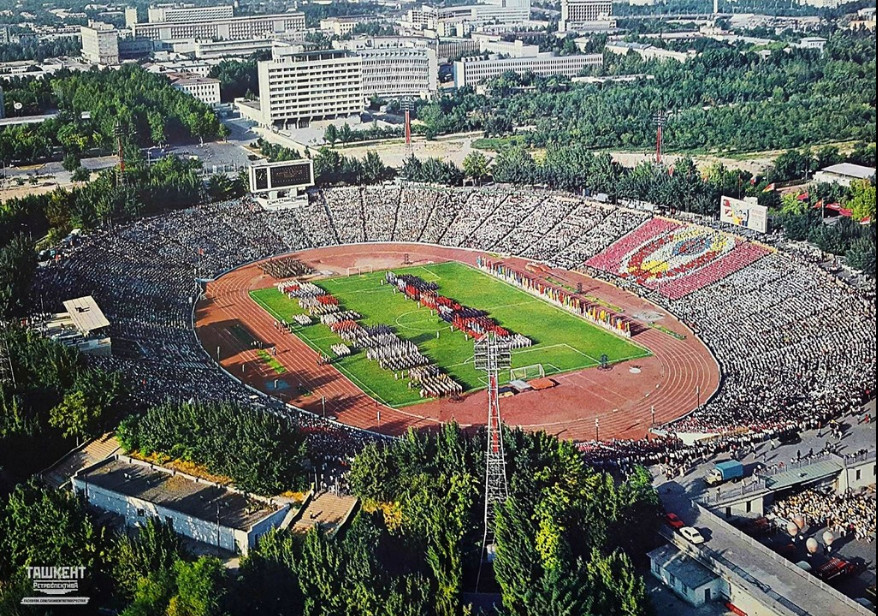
column 620, row 399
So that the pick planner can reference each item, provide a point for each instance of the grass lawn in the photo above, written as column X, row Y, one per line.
column 271, row 362
column 562, row 341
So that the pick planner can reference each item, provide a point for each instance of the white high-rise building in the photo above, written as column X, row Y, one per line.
column 228, row 28
column 298, row 86
column 100, row 43
column 580, row 14
column 395, row 67
column 177, row 14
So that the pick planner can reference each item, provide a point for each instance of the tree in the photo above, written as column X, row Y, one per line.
column 331, row 134
column 475, row 165
column 18, row 263
column 45, row 527
column 201, row 588
column 70, row 162
column 862, row 201
column 861, row 255
column 80, row 174
column 154, row 548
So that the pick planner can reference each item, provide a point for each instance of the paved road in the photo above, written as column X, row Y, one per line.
column 676, row 495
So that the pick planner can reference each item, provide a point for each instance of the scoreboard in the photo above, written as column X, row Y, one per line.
column 281, row 176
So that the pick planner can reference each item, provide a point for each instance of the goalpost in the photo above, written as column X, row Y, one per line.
column 525, row 373
column 357, row 270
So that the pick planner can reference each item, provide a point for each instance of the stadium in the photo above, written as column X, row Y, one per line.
column 642, row 324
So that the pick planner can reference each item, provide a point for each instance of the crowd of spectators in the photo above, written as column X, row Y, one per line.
column 849, row 514
column 795, row 346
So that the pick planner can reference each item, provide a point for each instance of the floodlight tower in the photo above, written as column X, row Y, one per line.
column 492, row 355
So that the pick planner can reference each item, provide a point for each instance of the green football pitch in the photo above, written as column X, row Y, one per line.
column 562, row 341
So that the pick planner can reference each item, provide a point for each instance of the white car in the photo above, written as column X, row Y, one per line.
column 691, row 535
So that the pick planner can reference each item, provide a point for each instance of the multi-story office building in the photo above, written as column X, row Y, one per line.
column 298, row 87
column 582, row 14
column 395, row 67
column 473, row 71
column 229, row 28
column 225, row 49
column 181, row 14
column 205, row 89
column 100, row 43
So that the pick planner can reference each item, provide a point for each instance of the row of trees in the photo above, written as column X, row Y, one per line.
column 346, row 134
column 259, row 451
column 92, row 104
column 725, row 98
column 147, row 570
column 564, row 538
column 40, row 50
column 52, row 397
column 331, row 167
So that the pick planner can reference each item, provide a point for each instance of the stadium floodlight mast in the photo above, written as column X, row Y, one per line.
column 492, row 354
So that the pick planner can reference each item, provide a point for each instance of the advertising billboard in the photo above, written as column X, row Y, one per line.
column 282, row 176
column 744, row 213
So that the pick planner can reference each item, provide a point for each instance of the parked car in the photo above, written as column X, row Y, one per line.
column 673, row 521
column 691, row 535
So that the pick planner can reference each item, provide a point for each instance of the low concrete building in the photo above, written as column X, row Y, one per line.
column 196, row 508
column 474, row 71
column 844, row 174
column 689, row 579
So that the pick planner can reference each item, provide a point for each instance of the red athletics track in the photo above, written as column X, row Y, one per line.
column 621, row 398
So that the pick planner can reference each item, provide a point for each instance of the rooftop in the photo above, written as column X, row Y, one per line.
column 851, row 170
column 85, row 314
column 688, row 570
column 188, row 495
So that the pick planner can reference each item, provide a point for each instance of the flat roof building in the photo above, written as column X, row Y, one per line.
column 205, row 89
column 100, row 43
column 395, row 67
column 83, row 326
column 228, row 28
column 180, row 13
column 583, row 14
column 298, row 86
column 474, row 71
column 196, row 508
column 844, row 174
column 689, row 579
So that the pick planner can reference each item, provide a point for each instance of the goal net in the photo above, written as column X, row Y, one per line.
column 357, row 270
column 525, row 373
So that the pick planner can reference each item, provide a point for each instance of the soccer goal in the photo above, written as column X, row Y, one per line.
column 357, row 270
column 525, row 373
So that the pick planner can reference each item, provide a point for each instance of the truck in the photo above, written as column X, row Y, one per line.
column 836, row 568
column 730, row 470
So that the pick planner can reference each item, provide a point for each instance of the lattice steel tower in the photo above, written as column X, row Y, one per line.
column 493, row 355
